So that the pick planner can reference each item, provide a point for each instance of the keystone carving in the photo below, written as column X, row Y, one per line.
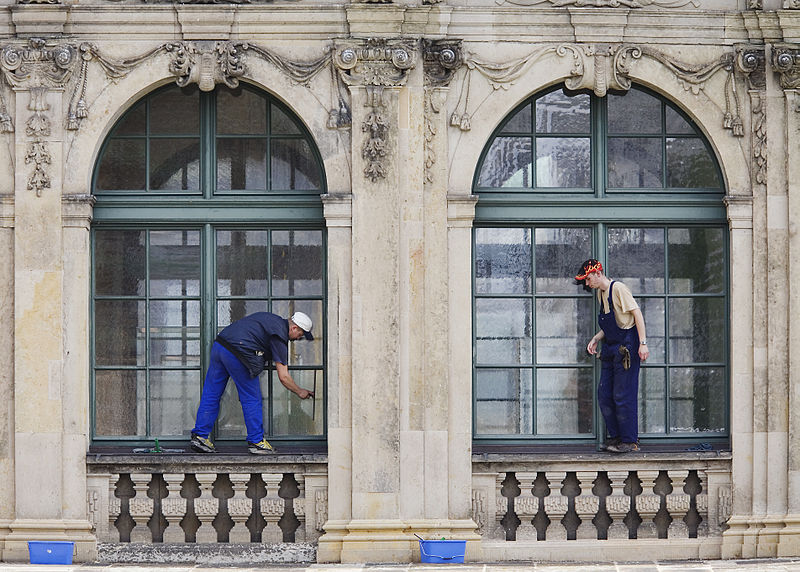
column 375, row 64
column 786, row 61
column 206, row 63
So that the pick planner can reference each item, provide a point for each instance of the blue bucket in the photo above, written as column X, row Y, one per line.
column 50, row 552
column 442, row 551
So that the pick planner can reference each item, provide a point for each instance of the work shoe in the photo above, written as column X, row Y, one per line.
column 202, row 444
column 614, row 441
column 623, row 448
column 261, row 448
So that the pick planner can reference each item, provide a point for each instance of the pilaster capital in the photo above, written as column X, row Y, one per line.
column 752, row 62
column 338, row 210
column 786, row 62
column 441, row 60
column 375, row 62
column 461, row 210
column 39, row 62
column 76, row 210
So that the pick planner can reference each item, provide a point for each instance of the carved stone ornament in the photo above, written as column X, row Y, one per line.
column 752, row 62
column 441, row 60
column 375, row 64
column 791, row 4
column 206, row 63
column 755, row 4
column 786, row 61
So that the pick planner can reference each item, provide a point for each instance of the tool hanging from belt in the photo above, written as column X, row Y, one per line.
column 626, row 357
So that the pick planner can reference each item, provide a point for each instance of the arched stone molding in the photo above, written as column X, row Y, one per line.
column 706, row 99
column 108, row 101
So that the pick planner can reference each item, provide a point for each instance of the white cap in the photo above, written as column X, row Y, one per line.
column 304, row 323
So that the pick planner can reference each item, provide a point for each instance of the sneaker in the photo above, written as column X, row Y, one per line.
column 623, row 448
column 613, row 442
column 261, row 448
column 202, row 444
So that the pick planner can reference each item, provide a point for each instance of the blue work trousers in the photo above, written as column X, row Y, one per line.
column 617, row 396
column 224, row 365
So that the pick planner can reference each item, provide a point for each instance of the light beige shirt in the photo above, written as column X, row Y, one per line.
column 624, row 305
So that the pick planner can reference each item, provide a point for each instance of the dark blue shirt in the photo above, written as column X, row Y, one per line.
column 258, row 339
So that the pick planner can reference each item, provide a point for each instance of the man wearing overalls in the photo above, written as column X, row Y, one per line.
column 624, row 347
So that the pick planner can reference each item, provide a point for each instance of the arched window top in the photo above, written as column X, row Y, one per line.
column 561, row 141
column 181, row 141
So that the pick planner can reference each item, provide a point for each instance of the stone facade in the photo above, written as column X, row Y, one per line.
column 400, row 98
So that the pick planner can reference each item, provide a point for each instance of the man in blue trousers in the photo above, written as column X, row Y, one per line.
column 624, row 347
column 241, row 352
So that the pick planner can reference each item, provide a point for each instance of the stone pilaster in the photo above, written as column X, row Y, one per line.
column 6, row 363
column 49, row 433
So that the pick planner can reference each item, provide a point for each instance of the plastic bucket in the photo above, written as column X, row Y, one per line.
column 442, row 551
column 50, row 552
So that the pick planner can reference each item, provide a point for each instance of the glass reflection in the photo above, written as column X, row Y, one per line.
column 241, row 164
column 502, row 260
column 689, row 164
column 558, row 112
column 635, row 163
column 292, row 415
column 120, row 398
column 503, row 402
column 520, row 122
column 296, row 263
column 697, row 399
column 507, row 163
column 174, row 395
column 564, row 401
column 503, row 331
column 175, row 263
column 563, row 162
column 563, row 328
column 696, row 260
column 652, row 396
column 175, row 164
column 559, row 251
column 119, row 262
column 174, row 333
column 636, row 257
column 634, row 112
column 119, row 332
column 242, row 263
column 696, row 330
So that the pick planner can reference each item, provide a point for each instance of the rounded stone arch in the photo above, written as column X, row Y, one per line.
column 114, row 99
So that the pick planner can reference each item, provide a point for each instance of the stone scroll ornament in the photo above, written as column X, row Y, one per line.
column 786, row 62
column 599, row 69
column 375, row 64
column 751, row 62
column 441, row 60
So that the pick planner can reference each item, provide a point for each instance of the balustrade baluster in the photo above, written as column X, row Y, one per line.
column 141, row 508
column 114, row 509
column 647, row 504
column 206, row 508
column 272, row 508
column 173, row 507
column 586, row 505
column 239, row 508
column 556, row 505
column 526, row 505
column 678, row 504
column 618, row 504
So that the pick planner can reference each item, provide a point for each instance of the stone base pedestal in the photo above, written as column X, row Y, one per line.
column 391, row 540
column 789, row 537
column 23, row 530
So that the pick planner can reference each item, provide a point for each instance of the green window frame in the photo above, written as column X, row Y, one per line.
column 176, row 261
column 665, row 237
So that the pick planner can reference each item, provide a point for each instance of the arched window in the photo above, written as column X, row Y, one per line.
column 208, row 209
column 629, row 180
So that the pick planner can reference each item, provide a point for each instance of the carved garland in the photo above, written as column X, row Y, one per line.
column 601, row 68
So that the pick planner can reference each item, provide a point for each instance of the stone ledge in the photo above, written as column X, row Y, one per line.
column 220, row 554
column 98, row 463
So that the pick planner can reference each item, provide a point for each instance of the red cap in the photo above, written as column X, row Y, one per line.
column 588, row 267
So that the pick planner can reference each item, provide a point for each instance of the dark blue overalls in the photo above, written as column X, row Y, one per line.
column 618, row 391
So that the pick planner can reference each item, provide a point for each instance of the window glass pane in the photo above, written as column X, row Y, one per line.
column 503, row 402
column 241, row 164
column 242, row 263
column 652, row 409
column 697, row 330
column 175, row 112
column 502, row 260
column 559, row 254
column 295, row 416
column 175, row 263
column 655, row 324
column 228, row 311
column 294, row 166
column 119, row 330
column 122, row 167
column 557, row 112
column 634, row 112
column 676, row 123
column 304, row 352
column 296, row 263
column 241, row 112
column 230, row 422
column 174, row 395
column 119, row 267
column 134, row 122
column 696, row 260
column 563, row 162
column 564, row 401
column 503, row 331
column 281, row 124
column 563, row 330
column 120, row 403
column 174, row 333
column 174, row 164
column 507, row 163
column 697, row 399
column 520, row 122
column 634, row 163
column 636, row 257
column 689, row 164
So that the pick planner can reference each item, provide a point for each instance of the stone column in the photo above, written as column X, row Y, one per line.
column 49, row 434
column 786, row 60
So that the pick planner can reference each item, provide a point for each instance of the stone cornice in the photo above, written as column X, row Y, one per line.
column 76, row 210
column 338, row 210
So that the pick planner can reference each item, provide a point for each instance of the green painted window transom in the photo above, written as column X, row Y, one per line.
column 538, row 219
column 208, row 209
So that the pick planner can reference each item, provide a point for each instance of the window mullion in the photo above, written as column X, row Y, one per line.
column 208, row 145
